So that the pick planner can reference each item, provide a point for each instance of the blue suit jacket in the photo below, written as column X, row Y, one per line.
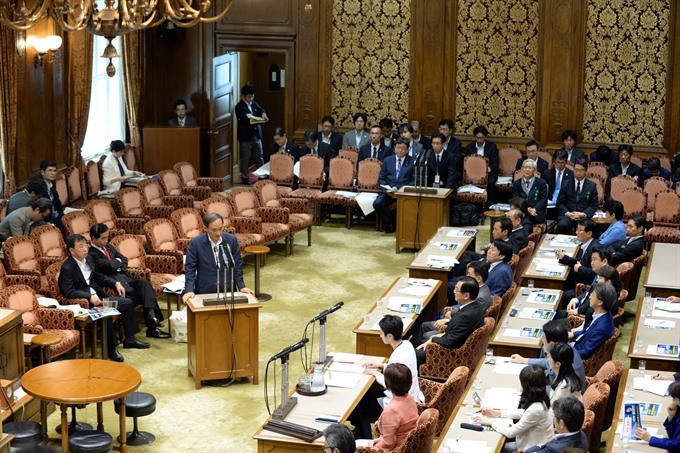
column 388, row 172
column 200, row 267
column 594, row 335
column 500, row 279
column 575, row 440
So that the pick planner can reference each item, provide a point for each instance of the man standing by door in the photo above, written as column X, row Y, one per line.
column 249, row 115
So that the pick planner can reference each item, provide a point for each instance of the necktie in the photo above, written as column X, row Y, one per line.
column 314, row 151
column 526, row 186
column 439, row 160
column 398, row 167
column 120, row 167
column 106, row 252
column 558, row 184
column 578, row 188
column 375, row 152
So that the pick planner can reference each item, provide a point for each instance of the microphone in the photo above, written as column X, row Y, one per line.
column 327, row 312
column 233, row 263
column 224, row 256
column 217, row 256
column 287, row 350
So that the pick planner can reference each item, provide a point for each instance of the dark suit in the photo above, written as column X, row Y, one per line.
column 323, row 150
column 551, row 176
column 200, row 268
column 20, row 199
column 388, row 176
column 633, row 170
column 623, row 252
column 570, row 201
column 335, row 142
column 427, row 144
column 249, row 136
column 537, row 197
column 665, row 174
column 541, row 166
column 575, row 155
column 72, row 285
column 366, row 151
column 140, row 291
column 519, row 239
column 188, row 122
column 455, row 146
column 57, row 208
column 585, row 273
column 446, row 169
column 273, row 148
column 571, row 440
column 393, row 137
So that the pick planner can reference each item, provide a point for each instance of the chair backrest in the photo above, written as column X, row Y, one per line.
column 161, row 235
column 267, row 191
column 634, row 201
column 588, row 422
column 130, row 158
column 625, row 271
column 507, row 160
column 131, row 247
column 78, row 222
column 494, row 309
column 508, row 296
column 595, row 399
column 3, row 208
column 422, row 436
column 637, row 160
column 152, row 192
column 244, row 202
column 21, row 298
column 188, row 222
column 475, row 170
column 171, row 182
column 621, row 183
column 667, row 208
column 21, row 253
column 535, row 236
column 50, row 241
column 525, row 256
column 638, row 263
column 102, row 212
column 601, row 355
column 94, row 182
column 130, row 203
column 665, row 162
column 341, row 173
column 75, row 189
column 654, row 185
column 218, row 204
column 281, row 168
column 597, row 170
column 187, row 173
column 368, row 174
column 599, row 185
column 447, row 396
column 311, row 171
column 350, row 153
column 546, row 156
column 610, row 373
column 62, row 188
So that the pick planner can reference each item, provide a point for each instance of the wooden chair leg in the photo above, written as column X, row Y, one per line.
column 309, row 236
column 292, row 242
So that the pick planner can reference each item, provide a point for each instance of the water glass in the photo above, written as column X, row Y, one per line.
column 367, row 319
column 478, row 384
column 642, row 366
column 489, row 354
column 382, row 303
column 531, row 283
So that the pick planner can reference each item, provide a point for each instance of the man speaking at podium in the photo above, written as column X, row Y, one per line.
column 207, row 255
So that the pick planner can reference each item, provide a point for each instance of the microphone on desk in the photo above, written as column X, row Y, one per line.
column 216, row 256
column 287, row 350
column 224, row 257
column 233, row 263
column 327, row 312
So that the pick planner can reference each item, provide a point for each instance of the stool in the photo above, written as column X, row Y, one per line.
column 90, row 441
column 138, row 404
column 44, row 341
column 26, row 434
column 259, row 251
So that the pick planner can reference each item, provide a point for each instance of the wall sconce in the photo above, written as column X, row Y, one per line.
column 45, row 48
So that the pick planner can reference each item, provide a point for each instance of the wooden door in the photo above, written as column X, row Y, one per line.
column 224, row 93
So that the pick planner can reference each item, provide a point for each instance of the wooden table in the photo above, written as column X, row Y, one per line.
column 525, row 346
column 44, row 341
column 419, row 267
column 663, row 270
column 419, row 216
column 546, row 251
column 259, row 251
column 493, row 215
column 644, row 336
column 212, row 340
column 82, row 381
column 369, row 342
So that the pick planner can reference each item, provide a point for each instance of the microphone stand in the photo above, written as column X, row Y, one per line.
column 287, row 402
column 323, row 358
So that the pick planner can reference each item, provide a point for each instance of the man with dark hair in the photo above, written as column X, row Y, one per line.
column 389, row 136
column 605, row 155
column 181, row 118
column 375, row 148
column 624, row 166
column 451, row 143
column 557, row 176
column 441, row 165
column 577, row 199
column 22, row 221
column 338, row 439
column 582, row 270
column 112, row 263
column 616, row 232
column 518, row 237
column 417, row 136
column 654, row 168
column 328, row 135
column 568, row 416
column 357, row 137
column 590, row 335
column 406, row 133
column 34, row 189
column 599, row 257
column 481, row 146
column 396, row 171
column 554, row 331
column 79, row 278
column 249, row 132
column 569, row 140
column 500, row 278
column 281, row 144
column 532, row 147
column 631, row 247
column 534, row 191
column 48, row 173
column 466, row 320
column 315, row 146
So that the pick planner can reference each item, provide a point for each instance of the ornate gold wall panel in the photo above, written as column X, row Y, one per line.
column 371, row 41
column 496, row 66
column 625, row 69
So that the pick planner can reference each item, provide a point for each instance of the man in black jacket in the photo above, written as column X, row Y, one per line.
column 281, row 143
column 577, row 199
column 630, row 248
column 583, row 271
column 48, row 173
column 533, row 190
column 249, row 135
column 328, row 135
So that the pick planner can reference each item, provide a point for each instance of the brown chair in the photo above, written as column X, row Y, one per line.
column 619, row 184
column 130, row 203
column 93, row 180
column 153, row 195
column 588, row 422
column 3, row 208
column 22, row 257
column 173, row 185
column 638, row 264
column 248, row 230
column 102, row 212
column 162, row 239
column 351, row 153
column 340, row 178
column 665, row 162
column 190, row 178
column 52, row 274
column 39, row 320
column 9, row 280
column 368, row 176
column 595, row 399
column 610, row 373
column 625, row 271
column 62, row 188
column 508, row 296
column 78, row 222
column 281, row 166
column 546, row 156
column 188, row 222
column 600, row 187
column 75, row 188
column 653, row 186
column 50, row 243
column 443, row 396
column 299, row 217
column 524, row 260
column 440, row 361
column 494, row 309
column 634, row 201
column 475, row 172
column 507, row 159
column 420, row 439
column 666, row 217
column 598, row 170
column 311, row 179
column 535, row 236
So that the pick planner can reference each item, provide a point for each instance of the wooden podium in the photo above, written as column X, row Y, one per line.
column 210, row 340
column 424, row 212
column 165, row 146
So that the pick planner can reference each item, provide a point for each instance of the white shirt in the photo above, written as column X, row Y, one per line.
column 405, row 354
column 585, row 245
column 480, row 151
column 492, row 265
column 87, row 273
column 326, row 139
column 215, row 246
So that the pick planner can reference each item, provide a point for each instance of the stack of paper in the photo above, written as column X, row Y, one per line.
column 470, row 189
column 542, row 297
column 340, row 379
column 661, row 304
column 346, row 194
column 557, row 268
column 647, row 384
column 501, row 398
column 441, row 261
column 365, row 201
column 461, row 233
column 665, row 314
column 346, row 357
column 343, row 367
column 175, row 286
column 664, row 324
column 263, row 171
column 465, row 446
column 548, row 261
column 667, row 350
column 536, row 313
column 48, row 302
column 507, row 367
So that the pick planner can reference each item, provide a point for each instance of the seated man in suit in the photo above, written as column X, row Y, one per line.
column 315, row 146
column 48, row 174
column 79, row 278
column 590, row 336
column 485, row 148
column 417, row 136
column 374, row 148
column 581, row 266
column 328, row 135
column 358, row 137
column 466, row 320
column 112, row 263
column 605, row 155
column 451, row 143
column 518, row 236
column 556, row 177
column 207, row 254
column 541, row 166
column 441, row 165
column 599, row 256
column 616, row 231
column 581, row 305
column 521, row 204
column 389, row 135
column 500, row 274
column 568, row 416
column 406, row 132
column 534, row 191
column 181, row 118
column 631, row 247
column 654, row 168
column 34, row 189
column 281, row 144
column 573, row 154
column 624, row 166
column 577, row 200
column 114, row 170
column 22, row 221
column 396, row 171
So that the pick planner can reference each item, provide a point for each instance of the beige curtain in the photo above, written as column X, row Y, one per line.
column 8, row 104
column 133, row 80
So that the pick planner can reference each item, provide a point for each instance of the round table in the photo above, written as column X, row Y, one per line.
column 493, row 215
column 259, row 251
column 44, row 341
column 81, row 381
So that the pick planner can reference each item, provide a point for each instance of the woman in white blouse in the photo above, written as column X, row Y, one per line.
column 566, row 383
column 535, row 421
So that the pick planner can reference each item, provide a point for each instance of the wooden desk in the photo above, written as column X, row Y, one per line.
column 336, row 401
column 419, row 268
column 164, row 146
column 526, row 347
column 625, row 394
column 368, row 341
column 422, row 214
column 452, row 432
column 486, row 377
column 615, row 445
column 210, row 340
column 644, row 336
column 547, row 251
column 663, row 270
column 82, row 381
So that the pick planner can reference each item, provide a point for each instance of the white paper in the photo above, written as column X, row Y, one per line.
column 365, row 201
column 655, row 386
column 550, row 268
column 666, row 306
column 342, row 367
column 388, row 188
column 650, row 429
column 419, row 291
column 394, row 303
column 346, row 357
column 667, row 323
column 75, row 308
column 263, row 171
column 504, row 180
column 69, row 209
column 466, row 446
column 346, row 194
column 528, row 313
column 513, row 333
column 547, row 261
column 176, row 285
column 533, row 295
column 665, row 314
column 48, row 302
column 506, row 367
column 501, row 398
column 296, row 169
column 460, row 233
column 431, row 282
column 441, row 261
column 470, row 189
column 343, row 380
column 651, row 350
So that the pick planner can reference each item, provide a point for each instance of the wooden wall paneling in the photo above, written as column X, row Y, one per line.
column 671, row 139
column 560, row 69
column 262, row 17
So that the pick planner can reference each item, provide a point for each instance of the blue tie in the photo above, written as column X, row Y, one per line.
column 398, row 168
column 120, row 167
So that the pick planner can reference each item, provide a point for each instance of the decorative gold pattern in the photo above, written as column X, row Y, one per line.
column 371, row 50
column 496, row 66
column 626, row 58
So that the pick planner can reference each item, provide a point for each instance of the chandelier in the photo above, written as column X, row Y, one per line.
column 111, row 21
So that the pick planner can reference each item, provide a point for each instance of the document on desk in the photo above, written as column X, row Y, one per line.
column 542, row 297
column 342, row 380
column 548, row 261
column 346, row 357
column 175, row 286
column 650, row 429
column 647, row 384
column 365, row 201
column 663, row 324
column 536, row 313
column 419, row 291
column 466, row 446
column 457, row 233
column 441, row 245
column 665, row 314
column 666, row 350
column 501, row 398
column 342, row 367
column 441, row 261
column 263, row 171
column 662, row 304
column 545, row 267
column 526, row 332
column 508, row 367
column 397, row 303
column 431, row 282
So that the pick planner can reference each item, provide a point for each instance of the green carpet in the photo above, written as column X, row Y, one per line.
column 354, row 266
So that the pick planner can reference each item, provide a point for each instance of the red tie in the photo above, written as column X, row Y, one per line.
column 106, row 252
